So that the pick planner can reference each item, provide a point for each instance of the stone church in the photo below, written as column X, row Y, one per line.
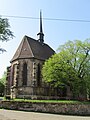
column 24, row 79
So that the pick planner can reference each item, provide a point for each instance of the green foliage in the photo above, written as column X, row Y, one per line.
column 2, row 84
column 1, row 89
column 70, row 67
column 5, row 32
column 3, row 79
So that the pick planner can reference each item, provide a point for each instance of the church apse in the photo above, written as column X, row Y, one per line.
column 25, row 79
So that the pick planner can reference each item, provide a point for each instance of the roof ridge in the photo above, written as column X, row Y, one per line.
column 30, row 38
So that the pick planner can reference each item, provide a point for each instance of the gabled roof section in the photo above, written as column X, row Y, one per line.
column 40, row 51
column 23, row 51
column 31, row 48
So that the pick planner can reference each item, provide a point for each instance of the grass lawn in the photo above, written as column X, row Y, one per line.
column 54, row 101
column 49, row 101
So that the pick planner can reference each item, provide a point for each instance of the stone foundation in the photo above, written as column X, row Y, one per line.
column 58, row 108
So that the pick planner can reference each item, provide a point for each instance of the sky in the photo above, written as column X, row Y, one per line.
column 57, row 32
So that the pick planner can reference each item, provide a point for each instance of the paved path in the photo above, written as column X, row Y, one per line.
column 19, row 115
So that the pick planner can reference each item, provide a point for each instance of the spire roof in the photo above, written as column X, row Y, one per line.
column 40, row 34
column 41, row 30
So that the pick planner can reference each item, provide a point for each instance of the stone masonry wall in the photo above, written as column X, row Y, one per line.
column 59, row 108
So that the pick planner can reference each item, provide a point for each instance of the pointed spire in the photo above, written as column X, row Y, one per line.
column 41, row 22
column 40, row 34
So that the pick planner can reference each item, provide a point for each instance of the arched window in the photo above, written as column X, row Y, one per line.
column 12, row 75
column 38, row 75
column 24, row 74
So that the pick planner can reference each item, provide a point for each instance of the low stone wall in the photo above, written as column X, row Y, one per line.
column 58, row 108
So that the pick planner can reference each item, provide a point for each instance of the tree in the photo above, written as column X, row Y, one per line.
column 5, row 32
column 70, row 67
column 1, row 89
column 2, row 84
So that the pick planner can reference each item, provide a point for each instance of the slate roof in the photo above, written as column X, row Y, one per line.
column 31, row 48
